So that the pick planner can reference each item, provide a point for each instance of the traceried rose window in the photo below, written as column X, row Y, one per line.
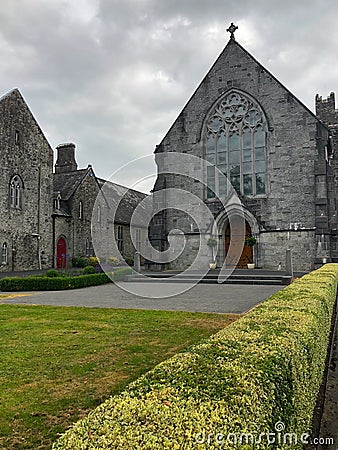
column 235, row 143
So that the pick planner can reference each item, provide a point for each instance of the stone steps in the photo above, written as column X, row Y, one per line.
column 212, row 277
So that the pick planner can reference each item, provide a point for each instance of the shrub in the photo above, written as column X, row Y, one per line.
column 33, row 283
column 129, row 261
column 80, row 261
column 113, row 261
column 250, row 241
column 212, row 242
column 88, row 270
column 119, row 274
column 51, row 273
column 264, row 368
column 93, row 261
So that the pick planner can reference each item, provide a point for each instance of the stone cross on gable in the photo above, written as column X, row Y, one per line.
column 232, row 30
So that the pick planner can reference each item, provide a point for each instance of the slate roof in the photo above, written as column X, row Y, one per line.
column 67, row 182
column 62, row 212
column 128, row 200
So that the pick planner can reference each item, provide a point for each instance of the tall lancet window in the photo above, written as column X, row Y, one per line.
column 235, row 144
column 4, row 254
column 15, row 192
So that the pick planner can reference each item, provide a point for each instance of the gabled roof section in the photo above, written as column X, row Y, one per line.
column 127, row 200
column 273, row 77
column 223, row 55
column 16, row 94
column 10, row 93
column 68, row 182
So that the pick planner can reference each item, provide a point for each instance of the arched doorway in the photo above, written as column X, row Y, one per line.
column 61, row 253
column 237, row 241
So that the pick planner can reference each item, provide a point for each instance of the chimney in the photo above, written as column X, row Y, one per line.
column 65, row 158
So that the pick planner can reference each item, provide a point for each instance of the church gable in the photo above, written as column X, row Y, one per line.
column 21, row 126
column 235, row 68
column 251, row 131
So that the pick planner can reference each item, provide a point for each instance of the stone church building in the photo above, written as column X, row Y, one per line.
column 45, row 215
column 251, row 164
column 251, row 131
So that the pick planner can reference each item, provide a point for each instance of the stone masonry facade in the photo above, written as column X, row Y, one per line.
column 26, row 189
column 297, row 209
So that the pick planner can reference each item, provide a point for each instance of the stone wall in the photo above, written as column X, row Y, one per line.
column 24, row 151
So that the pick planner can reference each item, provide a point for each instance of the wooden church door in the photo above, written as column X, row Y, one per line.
column 61, row 253
column 236, row 241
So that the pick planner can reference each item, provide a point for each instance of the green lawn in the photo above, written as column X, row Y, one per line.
column 58, row 363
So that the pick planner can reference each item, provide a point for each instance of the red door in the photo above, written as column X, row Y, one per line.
column 61, row 253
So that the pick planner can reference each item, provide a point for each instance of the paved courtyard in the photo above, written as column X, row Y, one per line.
column 227, row 298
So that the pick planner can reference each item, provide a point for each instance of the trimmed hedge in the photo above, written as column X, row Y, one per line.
column 263, row 369
column 39, row 283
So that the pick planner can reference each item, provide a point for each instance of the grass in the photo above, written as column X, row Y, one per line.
column 58, row 363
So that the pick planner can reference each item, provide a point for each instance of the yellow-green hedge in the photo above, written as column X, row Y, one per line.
column 265, row 369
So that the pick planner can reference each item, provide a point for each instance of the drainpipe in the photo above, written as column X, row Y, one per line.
column 38, row 224
column 53, row 240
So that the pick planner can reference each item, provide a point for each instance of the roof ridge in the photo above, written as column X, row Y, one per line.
column 122, row 185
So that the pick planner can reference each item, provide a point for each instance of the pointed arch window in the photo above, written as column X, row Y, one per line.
column 235, row 144
column 15, row 192
column 57, row 202
column 4, row 254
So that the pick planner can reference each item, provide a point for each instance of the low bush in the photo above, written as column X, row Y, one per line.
column 88, row 270
column 80, row 261
column 52, row 273
column 35, row 283
column 259, row 375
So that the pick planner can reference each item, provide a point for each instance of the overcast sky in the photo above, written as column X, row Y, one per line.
column 112, row 75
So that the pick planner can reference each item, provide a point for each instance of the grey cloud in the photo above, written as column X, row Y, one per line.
column 115, row 81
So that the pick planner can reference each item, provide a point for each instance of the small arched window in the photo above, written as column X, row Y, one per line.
column 57, row 202
column 15, row 192
column 98, row 213
column 4, row 254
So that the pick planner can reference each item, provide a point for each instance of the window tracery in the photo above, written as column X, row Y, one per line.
column 15, row 192
column 236, row 146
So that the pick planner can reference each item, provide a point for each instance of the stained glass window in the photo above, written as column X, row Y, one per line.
column 236, row 145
